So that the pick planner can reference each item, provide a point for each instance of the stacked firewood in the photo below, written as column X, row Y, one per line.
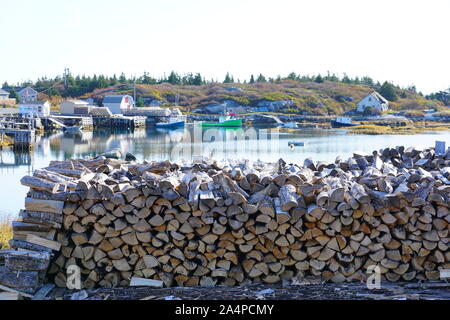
column 235, row 223
column 23, row 268
column 23, row 271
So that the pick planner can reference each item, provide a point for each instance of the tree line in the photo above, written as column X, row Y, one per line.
column 76, row 86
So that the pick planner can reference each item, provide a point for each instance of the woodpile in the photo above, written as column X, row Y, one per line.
column 235, row 223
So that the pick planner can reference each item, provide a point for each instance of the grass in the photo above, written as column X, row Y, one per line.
column 6, row 232
column 6, row 141
column 408, row 129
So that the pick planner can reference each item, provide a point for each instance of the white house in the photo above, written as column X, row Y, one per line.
column 4, row 95
column 35, row 108
column 118, row 104
column 374, row 100
column 70, row 107
column 5, row 100
column 28, row 94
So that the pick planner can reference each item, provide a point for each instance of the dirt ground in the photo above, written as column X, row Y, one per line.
column 299, row 291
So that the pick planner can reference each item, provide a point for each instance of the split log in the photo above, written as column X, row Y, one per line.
column 49, row 206
column 40, row 184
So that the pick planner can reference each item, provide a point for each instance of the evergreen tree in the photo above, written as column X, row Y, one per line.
column 198, row 80
column 174, row 78
column 252, row 79
column 13, row 95
column 140, row 102
column 292, row 76
column 318, row 79
column 122, row 78
column 367, row 81
column 346, row 79
column 387, row 91
column 54, row 92
column 228, row 79
column 113, row 81
column 261, row 78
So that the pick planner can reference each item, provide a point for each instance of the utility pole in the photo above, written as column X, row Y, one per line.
column 134, row 91
column 66, row 74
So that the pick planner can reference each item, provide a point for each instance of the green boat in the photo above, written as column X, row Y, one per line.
column 224, row 122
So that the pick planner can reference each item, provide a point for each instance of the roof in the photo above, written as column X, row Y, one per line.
column 34, row 102
column 100, row 111
column 84, row 103
column 115, row 98
column 28, row 88
column 379, row 97
column 3, row 92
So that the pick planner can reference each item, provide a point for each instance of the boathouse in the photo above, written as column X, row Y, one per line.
column 118, row 104
column 35, row 108
column 373, row 100
column 74, row 107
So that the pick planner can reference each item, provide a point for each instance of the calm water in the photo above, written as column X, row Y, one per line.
column 179, row 145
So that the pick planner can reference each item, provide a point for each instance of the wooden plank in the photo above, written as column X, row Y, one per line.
column 23, row 294
column 22, row 226
column 141, row 282
column 24, row 260
column 45, row 218
column 5, row 252
column 25, row 245
column 10, row 296
column 22, row 235
column 54, row 245
column 43, row 291
column 51, row 206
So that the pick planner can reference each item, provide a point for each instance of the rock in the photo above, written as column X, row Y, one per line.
column 234, row 89
column 276, row 105
column 130, row 157
column 113, row 154
column 217, row 108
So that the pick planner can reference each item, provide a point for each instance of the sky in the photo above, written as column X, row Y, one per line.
column 402, row 41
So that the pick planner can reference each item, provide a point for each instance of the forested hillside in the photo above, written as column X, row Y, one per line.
column 319, row 94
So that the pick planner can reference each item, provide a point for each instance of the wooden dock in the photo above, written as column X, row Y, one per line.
column 68, row 121
column 122, row 122
column 22, row 138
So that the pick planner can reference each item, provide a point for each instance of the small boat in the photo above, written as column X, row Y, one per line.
column 175, row 122
column 226, row 121
column 297, row 144
column 73, row 129
column 289, row 125
column 342, row 122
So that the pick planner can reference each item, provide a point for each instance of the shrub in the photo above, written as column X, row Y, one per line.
column 6, row 232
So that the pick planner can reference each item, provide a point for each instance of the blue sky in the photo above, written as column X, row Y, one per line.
column 401, row 41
